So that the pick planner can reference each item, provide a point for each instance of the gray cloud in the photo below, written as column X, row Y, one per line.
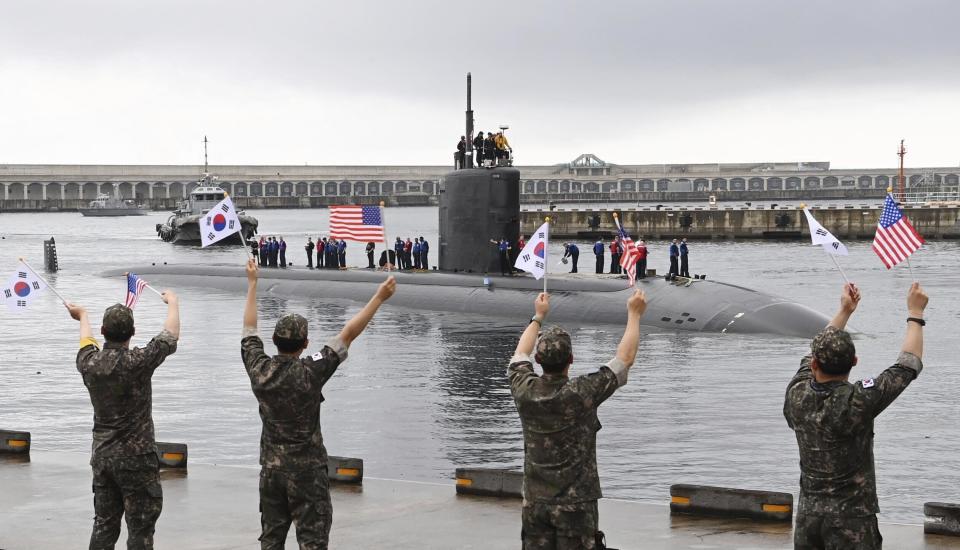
column 601, row 68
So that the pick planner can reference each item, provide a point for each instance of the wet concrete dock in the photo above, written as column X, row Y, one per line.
column 47, row 504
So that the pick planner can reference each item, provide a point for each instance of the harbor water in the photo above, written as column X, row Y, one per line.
column 423, row 392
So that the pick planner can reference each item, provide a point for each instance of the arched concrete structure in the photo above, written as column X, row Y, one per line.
column 755, row 184
column 591, row 187
column 256, row 189
column 286, row 189
column 576, row 187
column 564, row 186
column 359, row 188
column 663, row 184
column 792, row 183
column 141, row 190
column 373, row 188
column 429, row 187
column 881, row 182
column 951, row 179
column 316, row 188
column 701, row 184
column 35, row 191
column 830, row 182
column 718, row 184
column 72, row 191
column 125, row 188
column 272, row 189
column 646, row 185
column 864, row 182
column 541, row 186
column 738, row 184
column 553, row 186
column 811, row 182
column 628, row 185
column 330, row 188
column 401, row 187
column 609, row 187
column 775, row 184
column 241, row 189
column 344, row 188
column 848, row 181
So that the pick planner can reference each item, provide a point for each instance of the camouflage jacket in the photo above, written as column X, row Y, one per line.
column 118, row 380
column 833, row 423
column 289, row 393
column 560, row 425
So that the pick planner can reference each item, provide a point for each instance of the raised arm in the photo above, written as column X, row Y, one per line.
column 916, row 303
column 355, row 326
column 849, row 300
column 627, row 350
column 250, row 309
column 78, row 313
column 541, row 306
column 172, row 323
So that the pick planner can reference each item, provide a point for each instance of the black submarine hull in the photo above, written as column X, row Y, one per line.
column 702, row 306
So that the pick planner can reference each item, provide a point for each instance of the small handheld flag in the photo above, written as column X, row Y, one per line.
column 135, row 286
column 819, row 235
column 533, row 257
column 219, row 222
column 22, row 288
column 896, row 239
column 630, row 255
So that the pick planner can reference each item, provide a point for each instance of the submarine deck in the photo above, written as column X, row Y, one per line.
column 47, row 503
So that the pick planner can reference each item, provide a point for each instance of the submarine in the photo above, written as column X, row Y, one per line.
column 483, row 202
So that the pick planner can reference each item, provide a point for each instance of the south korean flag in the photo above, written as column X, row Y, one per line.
column 219, row 222
column 22, row 288
column 533, row 257
column 820, row 236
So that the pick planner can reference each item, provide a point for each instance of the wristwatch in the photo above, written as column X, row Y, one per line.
column 537, row 320
column 917, row 320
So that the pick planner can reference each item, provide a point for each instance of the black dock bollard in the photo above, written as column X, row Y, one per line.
column 172, row 455
column 345, row 470
column 13, row 442
column 703, row 500
column 50, row 256
column 493, row 482
column 941, row 518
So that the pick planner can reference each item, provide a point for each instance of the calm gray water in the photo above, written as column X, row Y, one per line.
column 423, row 393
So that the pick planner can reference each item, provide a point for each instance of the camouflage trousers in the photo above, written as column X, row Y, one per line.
column 560, row 526
column 126, row 486
column 813, row 532
column 301, row 497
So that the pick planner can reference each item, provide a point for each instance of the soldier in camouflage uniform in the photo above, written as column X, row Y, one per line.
column 126, row 477
column 833, row 421
column 561, row 485
column 294, row 485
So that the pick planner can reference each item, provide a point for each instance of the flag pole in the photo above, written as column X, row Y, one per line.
column 37, row 275
column 546, row 264
column 243, row 241
column 147, row 285
column 836, row 263
column 911, row 269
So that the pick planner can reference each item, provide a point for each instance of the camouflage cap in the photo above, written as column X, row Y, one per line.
column 118, row 319
column 554, row 347
column 833, row 348
column 291, row 327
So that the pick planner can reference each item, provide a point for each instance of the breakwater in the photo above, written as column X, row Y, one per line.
column 849, row 222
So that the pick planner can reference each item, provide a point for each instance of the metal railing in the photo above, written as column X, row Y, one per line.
column 932, row 196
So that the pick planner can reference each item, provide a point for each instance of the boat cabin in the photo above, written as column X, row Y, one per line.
column 203, row 199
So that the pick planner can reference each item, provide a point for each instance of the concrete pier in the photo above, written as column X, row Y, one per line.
column 47, row 504
column 726, row 222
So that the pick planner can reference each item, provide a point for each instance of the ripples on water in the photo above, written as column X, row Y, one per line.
column 424, row 392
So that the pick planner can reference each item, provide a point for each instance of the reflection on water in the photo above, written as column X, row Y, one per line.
column 425, row 392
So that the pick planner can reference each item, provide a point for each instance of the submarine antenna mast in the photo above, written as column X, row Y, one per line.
column 468, row 157
column 902, row 152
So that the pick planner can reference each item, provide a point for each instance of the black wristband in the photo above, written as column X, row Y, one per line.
column 917, row 320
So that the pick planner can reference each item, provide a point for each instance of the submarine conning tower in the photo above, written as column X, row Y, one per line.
column 477, row 205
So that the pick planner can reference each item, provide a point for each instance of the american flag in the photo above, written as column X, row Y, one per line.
column 135, row 286
column 629, row 254
column 896, row 239
column 356, row 223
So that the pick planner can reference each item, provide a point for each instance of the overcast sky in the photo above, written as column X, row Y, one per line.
column 363, row 82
